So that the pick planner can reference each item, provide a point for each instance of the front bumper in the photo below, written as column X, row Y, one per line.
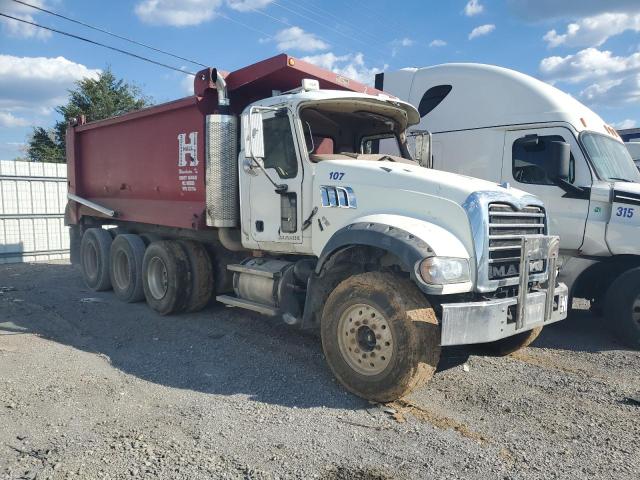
column 487, row 321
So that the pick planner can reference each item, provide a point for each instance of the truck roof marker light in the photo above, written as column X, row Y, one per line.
column 584, row 122
column 309, row 84
column 292, row 62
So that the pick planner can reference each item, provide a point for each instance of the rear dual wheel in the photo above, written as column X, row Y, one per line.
column 95, row 259
column 127, row 253
column 177, row 276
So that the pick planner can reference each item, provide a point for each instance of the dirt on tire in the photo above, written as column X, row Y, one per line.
column 412, row 321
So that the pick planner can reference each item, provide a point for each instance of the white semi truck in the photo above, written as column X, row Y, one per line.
column 264, row 195
column 506, row 127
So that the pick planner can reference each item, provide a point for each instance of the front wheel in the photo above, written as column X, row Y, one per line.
column 506, row 346
column 380, row 336
column 622, row 307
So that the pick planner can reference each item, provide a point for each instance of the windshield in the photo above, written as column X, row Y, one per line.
column 634, row 150
column 610, row 158
column 339, row 127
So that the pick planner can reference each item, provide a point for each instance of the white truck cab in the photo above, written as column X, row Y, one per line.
column 309, row 187
column 504, row 126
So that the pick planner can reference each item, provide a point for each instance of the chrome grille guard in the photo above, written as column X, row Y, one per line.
column 535, row 248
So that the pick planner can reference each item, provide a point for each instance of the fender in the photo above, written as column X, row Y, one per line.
column 403, row 236
column 408, row 238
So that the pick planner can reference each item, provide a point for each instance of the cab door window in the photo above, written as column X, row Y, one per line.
column 279, row 147
column 530, row 156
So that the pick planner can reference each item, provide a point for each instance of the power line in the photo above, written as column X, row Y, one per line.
column 135, row 42
column 306, row 17
column 78, row 37
column 331, row 17
column 231, row 19
column 98, row 29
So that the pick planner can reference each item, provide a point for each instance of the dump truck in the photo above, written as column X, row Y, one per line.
column 258, row 192
column 509, row 133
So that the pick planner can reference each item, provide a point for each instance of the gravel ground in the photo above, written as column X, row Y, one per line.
column 93, row 388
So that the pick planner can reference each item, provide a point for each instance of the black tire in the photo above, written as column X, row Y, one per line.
column 166, row 277
column 127, row 254
column 414, row 345
column 115, row 231
column 149, row 238
column 95, row 249
column 506, row 346
column 623, row 307
column 75, row 240
column 201, row 275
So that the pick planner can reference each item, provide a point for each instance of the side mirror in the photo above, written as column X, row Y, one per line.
column 559, row 161
column 253, row 132
column 422, row 147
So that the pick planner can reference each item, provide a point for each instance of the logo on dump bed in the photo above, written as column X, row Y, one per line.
column 190, row 149
column 188, row 162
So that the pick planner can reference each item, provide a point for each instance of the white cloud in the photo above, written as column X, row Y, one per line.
column 481, row 30
column 295, row 38
column 37, row 84
column 14, row 28
column 624, row 124
column 473, row 7
column 589, row 63
column 613, row 92
column 186, row 85
column 350, row 65
column 183, row 13
column 606, row 79
column 534, row 10
column 248, row 5
column 177, row 13
column 9, row 120
column 438, row 43
column 403, row 42
column 593, row 31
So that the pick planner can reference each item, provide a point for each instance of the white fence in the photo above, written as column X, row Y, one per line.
column 32, row 201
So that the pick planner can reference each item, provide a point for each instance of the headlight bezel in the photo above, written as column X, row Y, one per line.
column 439, row 271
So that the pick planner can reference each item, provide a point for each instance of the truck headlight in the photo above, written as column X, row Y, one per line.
column 443, row 270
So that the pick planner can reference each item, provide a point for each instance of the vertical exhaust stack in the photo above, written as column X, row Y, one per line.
column 223, row 204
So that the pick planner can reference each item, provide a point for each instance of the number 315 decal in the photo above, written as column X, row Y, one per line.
column 624, row 212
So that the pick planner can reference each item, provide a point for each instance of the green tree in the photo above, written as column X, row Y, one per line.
column 97, row 99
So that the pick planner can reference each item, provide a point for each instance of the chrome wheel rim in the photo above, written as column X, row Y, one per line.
column 635, row 310
column 365, row 339
column 121, row 270
column 157, row 278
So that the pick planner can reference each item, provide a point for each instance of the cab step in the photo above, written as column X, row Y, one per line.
column 248, row 305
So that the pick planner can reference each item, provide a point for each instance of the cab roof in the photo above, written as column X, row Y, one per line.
column 487, row 95
column 317, row 97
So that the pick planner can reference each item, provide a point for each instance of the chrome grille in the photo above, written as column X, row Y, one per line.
column 507, row 226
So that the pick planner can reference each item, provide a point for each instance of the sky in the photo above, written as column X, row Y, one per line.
column 588, row 48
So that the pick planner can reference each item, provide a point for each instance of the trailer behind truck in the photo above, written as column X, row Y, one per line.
column 504, row 126
column 257, row 191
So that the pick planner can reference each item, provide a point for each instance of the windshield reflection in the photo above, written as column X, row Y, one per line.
column 610, row 158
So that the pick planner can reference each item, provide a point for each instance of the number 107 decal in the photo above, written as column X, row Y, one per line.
column 625, row 212
column 336, row 175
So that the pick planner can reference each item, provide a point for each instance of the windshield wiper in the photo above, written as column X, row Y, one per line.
column 621, row 179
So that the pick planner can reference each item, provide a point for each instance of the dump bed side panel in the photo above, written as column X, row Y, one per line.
column 149, row 166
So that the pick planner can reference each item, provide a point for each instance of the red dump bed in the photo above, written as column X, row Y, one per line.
column 130, row 163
